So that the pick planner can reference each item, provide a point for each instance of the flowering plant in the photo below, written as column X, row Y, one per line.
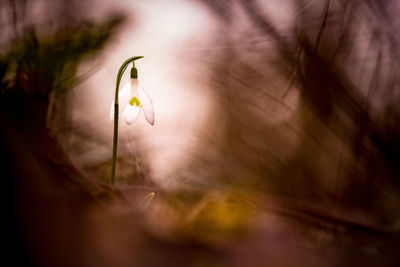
column 133, row 98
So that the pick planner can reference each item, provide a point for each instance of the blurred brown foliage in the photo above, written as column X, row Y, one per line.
column 300, row 158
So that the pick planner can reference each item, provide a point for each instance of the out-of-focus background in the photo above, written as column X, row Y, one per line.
column 276, row 139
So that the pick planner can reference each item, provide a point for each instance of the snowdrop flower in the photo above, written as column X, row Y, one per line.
column 132, row 98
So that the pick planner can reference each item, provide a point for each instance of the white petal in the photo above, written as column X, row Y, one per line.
column 131, row 113
column 123, row 99
column 147, row 105
column 123, row 95
column 134, row 87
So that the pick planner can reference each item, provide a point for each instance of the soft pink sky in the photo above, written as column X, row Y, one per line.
column 161, row 31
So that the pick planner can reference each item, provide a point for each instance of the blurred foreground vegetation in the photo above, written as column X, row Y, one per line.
column 299, row 166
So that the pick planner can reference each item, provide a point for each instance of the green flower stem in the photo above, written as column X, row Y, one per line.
column 116, row 115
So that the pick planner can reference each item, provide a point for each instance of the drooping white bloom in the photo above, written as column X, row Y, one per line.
column 132, row 98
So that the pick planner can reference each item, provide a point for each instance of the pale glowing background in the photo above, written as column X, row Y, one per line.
column 174, row 37
column 165, row 33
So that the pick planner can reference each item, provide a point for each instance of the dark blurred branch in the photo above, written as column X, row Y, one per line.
column 264, row 24
column 321, row 30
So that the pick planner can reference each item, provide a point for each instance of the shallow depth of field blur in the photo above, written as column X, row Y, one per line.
column 276, row 139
